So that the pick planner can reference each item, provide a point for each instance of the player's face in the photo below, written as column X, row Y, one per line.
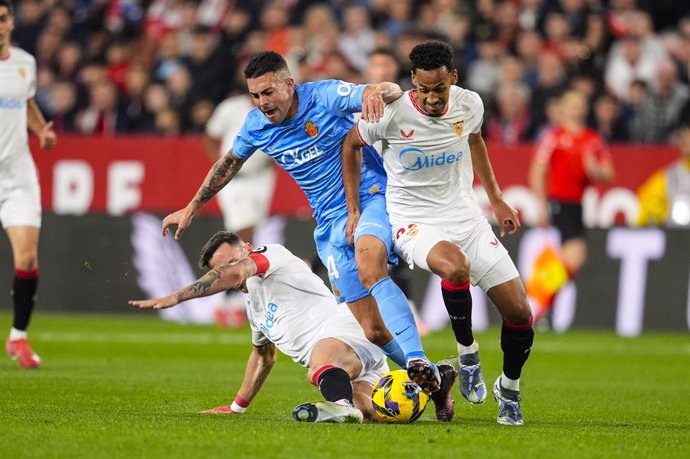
column 273, row 93
column 230, row 253
column 6, row 26
column 433, row 89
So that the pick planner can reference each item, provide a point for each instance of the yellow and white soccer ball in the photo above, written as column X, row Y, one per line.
column 397, row 399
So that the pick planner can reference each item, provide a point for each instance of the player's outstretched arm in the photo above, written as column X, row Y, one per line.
column 259, row 366
column 220, row 175
column 506, row 216
column 352, row 164
column 375, row 97
column 224, row 277
column 37, row 124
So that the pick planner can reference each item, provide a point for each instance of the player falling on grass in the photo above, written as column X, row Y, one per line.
column 289, row 308
column 20, row 196
column 432, row 145
column 567, row 160
column 302, row 127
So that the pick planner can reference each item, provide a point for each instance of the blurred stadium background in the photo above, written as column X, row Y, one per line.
column 130, row 85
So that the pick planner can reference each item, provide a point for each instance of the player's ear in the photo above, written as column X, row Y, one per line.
column 290, row 83
column 454, row 77
column 414, row 78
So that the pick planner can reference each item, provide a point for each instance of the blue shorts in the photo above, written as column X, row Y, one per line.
column 338, row 256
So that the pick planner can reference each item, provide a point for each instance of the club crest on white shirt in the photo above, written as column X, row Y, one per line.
column 22, row 72
column 459, row 127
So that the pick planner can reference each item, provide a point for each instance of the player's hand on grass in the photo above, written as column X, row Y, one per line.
column 351, row 225
column 47, row 136
column 182, row 218
column 155, row 303
column 507, row 218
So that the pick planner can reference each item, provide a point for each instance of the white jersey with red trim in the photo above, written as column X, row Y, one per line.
column 17, row 86
column 290, row 306
column 427, row 158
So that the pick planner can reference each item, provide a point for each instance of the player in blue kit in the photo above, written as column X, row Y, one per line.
column 302, row 127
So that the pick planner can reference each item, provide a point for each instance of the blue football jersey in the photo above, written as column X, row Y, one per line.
column 308, row 146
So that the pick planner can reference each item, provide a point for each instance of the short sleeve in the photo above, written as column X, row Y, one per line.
column 341, row 96
column 477, row 110
column 370, row 133
column 32, row 79
column 269, row 258
column 243, row 146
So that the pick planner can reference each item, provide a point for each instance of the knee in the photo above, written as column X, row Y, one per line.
column 371, row 271
column 26, row 261
column 520, row 313
column 455, row 268
column 377, row 335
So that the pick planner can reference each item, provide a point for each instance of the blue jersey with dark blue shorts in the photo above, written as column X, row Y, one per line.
column 308, row 146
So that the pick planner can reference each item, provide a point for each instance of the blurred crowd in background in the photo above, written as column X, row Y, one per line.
column 161, row 66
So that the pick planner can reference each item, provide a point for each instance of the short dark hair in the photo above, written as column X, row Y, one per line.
column 431, row 56
column 218, row 239
column 7, row 4
column 264, row 62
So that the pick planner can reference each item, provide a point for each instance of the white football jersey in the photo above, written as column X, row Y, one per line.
column 291, row 307
column 225, row 124
column 427, row 159
column 17, row 86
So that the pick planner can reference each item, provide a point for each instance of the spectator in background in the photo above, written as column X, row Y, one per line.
column 136, row 81
column 484, row 73
column 510, row 124
column 102, row 116
column 607, row 119
column 357, row 40
column 167, row 123
column 659, row 111
column 627, row 63
column 567, row 159
column 665, row 196
column 551, row 83
column 529, row 49
column 63, row 106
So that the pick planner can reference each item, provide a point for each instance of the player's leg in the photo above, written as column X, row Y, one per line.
column 432, row 250
column 517, row 337
column 373, row 249
column 24, row 242
column 333, row 365
column 337, row 256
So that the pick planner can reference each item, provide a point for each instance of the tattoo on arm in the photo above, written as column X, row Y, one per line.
column 202, row 286
column 220, row 174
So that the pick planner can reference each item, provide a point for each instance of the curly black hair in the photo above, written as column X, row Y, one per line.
column 432, row 55
column 218, row 239
column 264, row 62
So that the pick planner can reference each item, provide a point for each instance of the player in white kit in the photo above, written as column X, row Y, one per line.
column 290, row 308
column 20, row 196
column 431, row 141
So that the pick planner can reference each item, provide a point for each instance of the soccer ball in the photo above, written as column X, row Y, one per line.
column 397, row 399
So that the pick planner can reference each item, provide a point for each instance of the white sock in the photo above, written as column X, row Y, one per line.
column 471, row 349
column 510, row 384
column 17, row 334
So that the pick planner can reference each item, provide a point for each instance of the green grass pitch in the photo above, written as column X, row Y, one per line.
column 131, row 386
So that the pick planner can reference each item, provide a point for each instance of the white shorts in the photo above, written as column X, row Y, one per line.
column 374, row 363
column 490, row 264
column 246, row 200
column 20, row 193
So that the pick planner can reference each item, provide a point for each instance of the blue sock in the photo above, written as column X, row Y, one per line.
column 397, row 315
column 394, row 352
